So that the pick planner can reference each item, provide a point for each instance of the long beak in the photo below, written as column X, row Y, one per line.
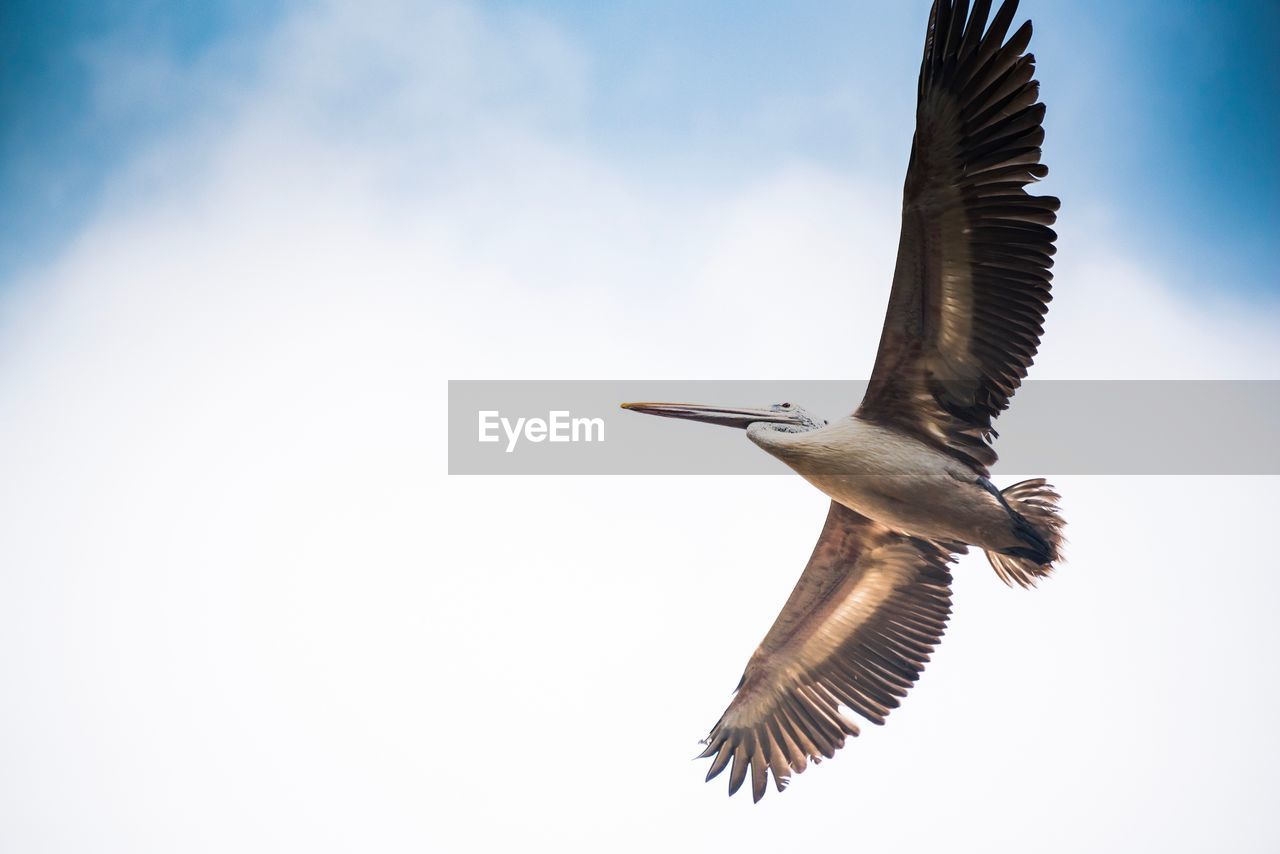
column 724, row 416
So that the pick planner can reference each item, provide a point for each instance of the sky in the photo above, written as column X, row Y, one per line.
column 245, row 246
column 1176, row 104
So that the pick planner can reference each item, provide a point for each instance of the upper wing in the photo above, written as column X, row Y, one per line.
column 856, row 631
column 971, row 286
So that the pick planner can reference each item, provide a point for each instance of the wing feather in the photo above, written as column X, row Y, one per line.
column 972, row 284
column 856, row 632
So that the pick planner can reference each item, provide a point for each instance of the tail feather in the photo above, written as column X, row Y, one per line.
column 1034, row 504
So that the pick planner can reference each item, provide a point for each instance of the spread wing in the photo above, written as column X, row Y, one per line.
column 971, row 287
column 856, row 632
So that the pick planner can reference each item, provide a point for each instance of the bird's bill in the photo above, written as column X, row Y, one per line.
column 724, row 416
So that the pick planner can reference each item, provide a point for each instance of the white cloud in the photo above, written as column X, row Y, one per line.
column 244, row 608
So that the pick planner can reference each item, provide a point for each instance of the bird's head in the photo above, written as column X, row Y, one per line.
column 782, row 417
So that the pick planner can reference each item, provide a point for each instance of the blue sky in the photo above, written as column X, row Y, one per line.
column 1165, row 111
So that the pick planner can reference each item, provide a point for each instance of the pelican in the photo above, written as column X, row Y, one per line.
column 907, row 473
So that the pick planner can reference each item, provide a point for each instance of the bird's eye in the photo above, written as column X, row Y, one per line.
column 786, row 406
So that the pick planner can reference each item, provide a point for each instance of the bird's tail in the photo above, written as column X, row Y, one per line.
column 1034, row 505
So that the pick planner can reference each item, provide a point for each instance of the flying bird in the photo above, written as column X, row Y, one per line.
column 907, row 473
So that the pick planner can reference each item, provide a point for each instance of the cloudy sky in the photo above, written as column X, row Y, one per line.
column 242, row 249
